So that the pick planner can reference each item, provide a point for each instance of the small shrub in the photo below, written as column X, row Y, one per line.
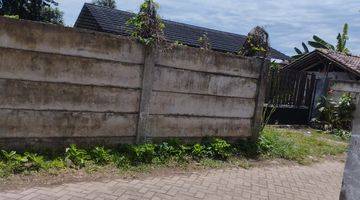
column 220, row 149
column 5, row 170
column 35, row 162
column 247, row 148
column 335, row 114
column 199, row 151
column 165, row 151
column 343, row 134
column 78, row 157
column 120, row 161
column 56, row 164
column 143, row 153
column 345, row 107
column 15, row 162
column 172, row 149
column 101, row 156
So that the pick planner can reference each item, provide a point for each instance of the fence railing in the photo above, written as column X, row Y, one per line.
column 287, row 88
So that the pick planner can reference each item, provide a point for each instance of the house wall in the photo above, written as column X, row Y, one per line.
column 61, row 85
column 334, row 75
column 340, row 87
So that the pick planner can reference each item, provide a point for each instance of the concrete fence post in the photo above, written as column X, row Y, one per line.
column 146, row 93
column 260, row 99
column 351, row 181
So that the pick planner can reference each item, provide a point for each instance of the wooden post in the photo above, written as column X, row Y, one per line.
column 146, row 93
column 260, row 100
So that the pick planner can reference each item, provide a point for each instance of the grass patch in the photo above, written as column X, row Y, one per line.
column 294, row 145
column 212, row 153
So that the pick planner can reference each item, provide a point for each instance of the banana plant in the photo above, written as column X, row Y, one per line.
column 319, row 43
column 342, row 38
column 299, row 52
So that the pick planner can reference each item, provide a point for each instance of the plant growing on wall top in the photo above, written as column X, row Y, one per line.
column 204, row 42
column 147, row 26
column 256, row 44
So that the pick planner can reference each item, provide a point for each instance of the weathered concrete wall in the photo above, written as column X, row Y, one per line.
column 62, row 85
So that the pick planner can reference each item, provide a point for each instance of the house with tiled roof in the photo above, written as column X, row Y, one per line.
column 328, row 64
column 113, row 21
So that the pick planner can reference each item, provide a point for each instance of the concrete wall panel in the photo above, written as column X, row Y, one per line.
column 21, row 34
column 51, row 96
column 177, row 80
column 171, row 126
column 36, row 66
column 201, row 105
column 47, row 124
column 210, row 61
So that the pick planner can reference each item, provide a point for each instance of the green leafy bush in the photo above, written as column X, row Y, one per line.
column 120, row 160
column 220, row 149
column 199, row 151
column 212, row 152
column 172, row 149
column 35, row 162
column 143, row 153
column 343, row 134
column 336, row 114
column 5, row 170
column 101, row 156
column 77, row 157
column 56, row 164
column 345, row 109
column 247, row 148
column 164, row 151
column 15, row 162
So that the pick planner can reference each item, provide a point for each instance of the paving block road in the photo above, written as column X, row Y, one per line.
column 319, row 182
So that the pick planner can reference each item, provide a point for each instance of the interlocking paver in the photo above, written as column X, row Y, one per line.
column 320, row 181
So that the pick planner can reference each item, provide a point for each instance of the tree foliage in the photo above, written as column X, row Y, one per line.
column 105, row 3
column 36, row 10
column 147, row 26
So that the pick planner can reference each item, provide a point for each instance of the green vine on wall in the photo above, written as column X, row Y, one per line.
column 147, row 26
